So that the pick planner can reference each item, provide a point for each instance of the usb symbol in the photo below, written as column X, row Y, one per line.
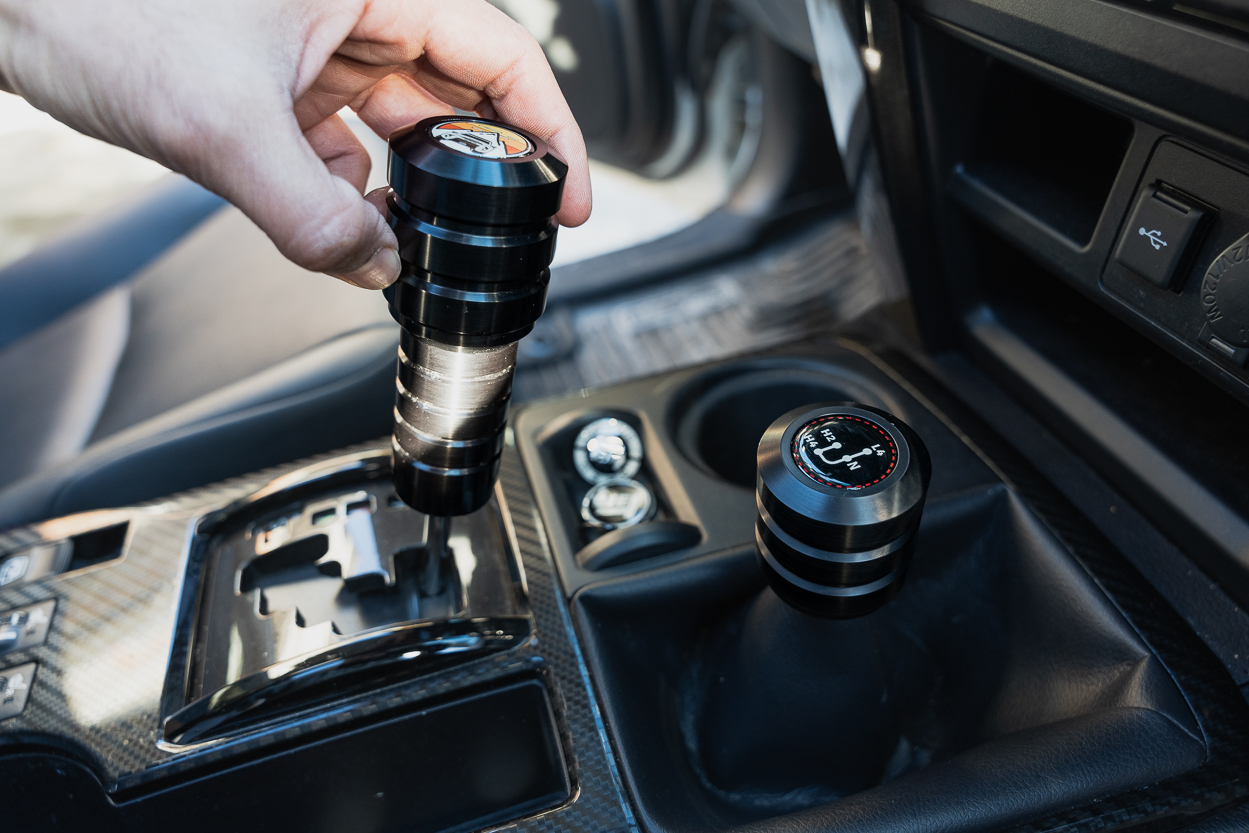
column 1155, row 237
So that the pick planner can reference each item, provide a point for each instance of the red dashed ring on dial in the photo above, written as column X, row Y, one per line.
column 822, row 479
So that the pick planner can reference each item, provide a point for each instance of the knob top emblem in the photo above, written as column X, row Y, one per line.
column 844, row 451
column 485, row 139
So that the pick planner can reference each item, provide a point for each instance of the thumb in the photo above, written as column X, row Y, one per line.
column 304, row 191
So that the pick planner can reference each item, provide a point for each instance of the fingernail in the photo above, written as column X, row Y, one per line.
column 380, row 272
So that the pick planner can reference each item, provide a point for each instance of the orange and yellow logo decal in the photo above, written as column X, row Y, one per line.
column 475, row 138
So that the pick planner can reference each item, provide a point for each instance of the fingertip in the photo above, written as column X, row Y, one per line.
column 578, row 194
column 572, row 217
column 577, row 204
column 377, row 199
column 379, row 272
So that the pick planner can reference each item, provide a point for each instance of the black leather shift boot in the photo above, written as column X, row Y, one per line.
column 998, row 685
column 782, row 708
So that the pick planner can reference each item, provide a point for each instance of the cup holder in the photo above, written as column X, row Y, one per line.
column 719, row 418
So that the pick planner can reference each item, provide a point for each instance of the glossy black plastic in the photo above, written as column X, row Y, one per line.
column 431, row 769
column 371, row 659
column 328, row 588
column 635, row 543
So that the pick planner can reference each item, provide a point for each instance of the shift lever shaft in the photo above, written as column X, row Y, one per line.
column 437, row 549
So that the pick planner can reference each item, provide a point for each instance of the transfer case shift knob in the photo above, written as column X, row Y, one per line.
column 840, row 492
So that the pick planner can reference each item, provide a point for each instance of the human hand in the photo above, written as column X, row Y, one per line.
column 242, row 97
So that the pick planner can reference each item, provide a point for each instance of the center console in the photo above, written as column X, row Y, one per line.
column 599, row 647
column 284, row 651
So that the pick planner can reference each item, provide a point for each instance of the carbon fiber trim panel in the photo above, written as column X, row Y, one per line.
column 102, row 671
column 102, row 667
column 600, row 803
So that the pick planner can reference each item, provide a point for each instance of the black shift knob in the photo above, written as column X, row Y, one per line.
column 473, row 207
column 840, row 492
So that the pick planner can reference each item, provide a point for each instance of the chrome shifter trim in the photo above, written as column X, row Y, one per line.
column 385, row 655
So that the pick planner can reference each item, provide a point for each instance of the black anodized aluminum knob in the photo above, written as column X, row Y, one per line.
column 840, row 492
column 473, row 209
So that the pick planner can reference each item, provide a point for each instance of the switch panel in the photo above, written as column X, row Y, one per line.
column 15, row 686
column 25, row 627
column 1200, row 299
column 1158, row 236
column 39, row 561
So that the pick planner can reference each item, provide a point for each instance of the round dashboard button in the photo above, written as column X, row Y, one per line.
column 1225, row 294
column 607, row 448
column 617, row 503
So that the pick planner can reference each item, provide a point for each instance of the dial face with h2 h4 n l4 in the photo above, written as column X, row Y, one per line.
column 844, row 451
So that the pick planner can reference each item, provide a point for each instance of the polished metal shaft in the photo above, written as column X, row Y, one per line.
column 437, row 550
column 449, row 420
column 452, row 398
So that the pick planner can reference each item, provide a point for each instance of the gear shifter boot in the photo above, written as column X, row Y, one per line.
column 791, row 707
